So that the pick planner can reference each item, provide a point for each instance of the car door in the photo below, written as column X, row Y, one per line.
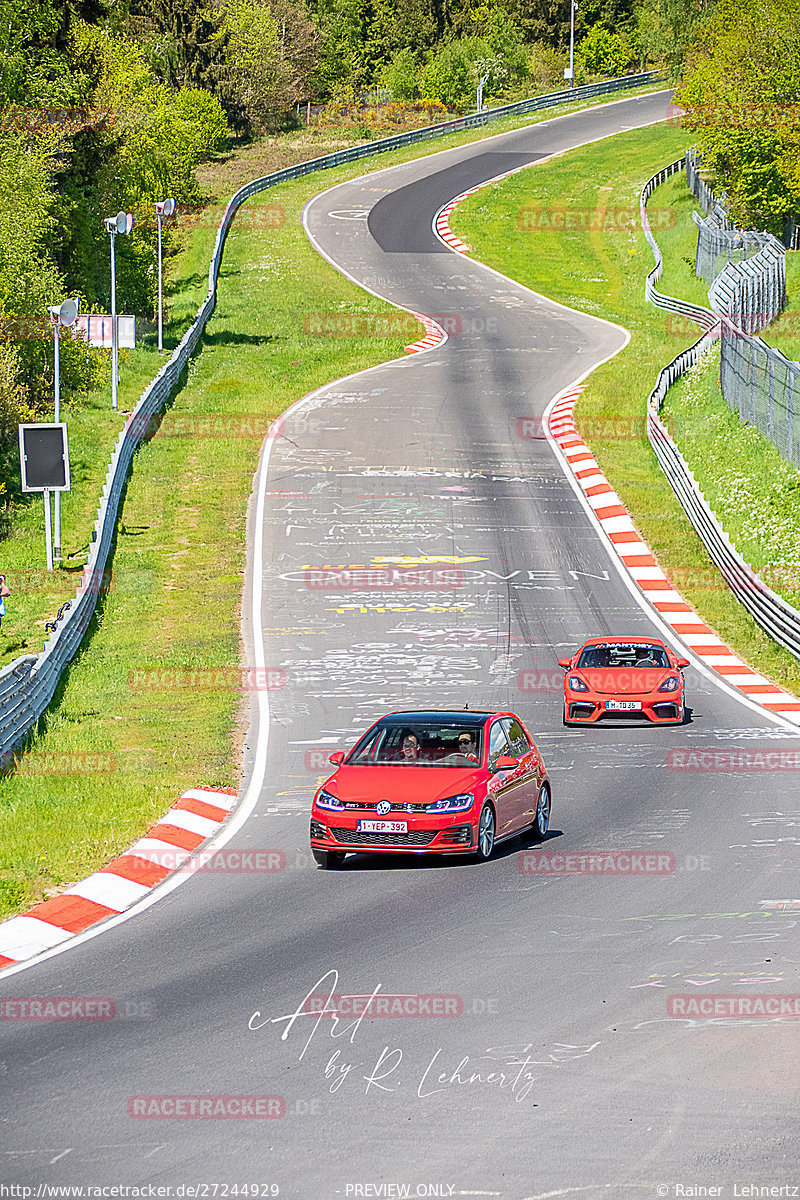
column 503, row 785
column 524, row 797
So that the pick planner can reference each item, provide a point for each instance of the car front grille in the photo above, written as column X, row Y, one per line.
column 354, row 837
column 371, row 806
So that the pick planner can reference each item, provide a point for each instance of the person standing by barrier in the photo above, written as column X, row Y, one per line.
column 4, row 591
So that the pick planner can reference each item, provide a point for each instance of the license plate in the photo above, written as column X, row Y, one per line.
column 623, row 705
column 382, row 826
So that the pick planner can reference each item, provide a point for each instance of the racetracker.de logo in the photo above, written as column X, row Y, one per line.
column 610, row 217
column 755, row 1005
column 383, row 1005
column 212, row 862
column 597, row 862
column 536, row 679
column 224, row 1108
column 73, row 119
column 90, row 762
column 379, row 325
column 401, row 578
column 206, row 425
column 60, row 1008
column 209, row 679
column 733, row 760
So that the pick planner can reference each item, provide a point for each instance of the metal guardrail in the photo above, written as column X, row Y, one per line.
column 703, row 316
column 28, row 684
column 774, row 614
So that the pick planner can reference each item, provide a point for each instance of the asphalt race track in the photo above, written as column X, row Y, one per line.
column 561, row 1071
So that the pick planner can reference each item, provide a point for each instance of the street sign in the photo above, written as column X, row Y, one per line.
column 44, row 457
column 98, row 330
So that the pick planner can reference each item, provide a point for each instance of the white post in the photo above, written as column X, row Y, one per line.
column 48, row 532
column 114, row 341
column 160, row 316
column 573, row 4
column 57, row 417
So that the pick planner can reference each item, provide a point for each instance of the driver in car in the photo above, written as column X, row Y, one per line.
column 467, row 747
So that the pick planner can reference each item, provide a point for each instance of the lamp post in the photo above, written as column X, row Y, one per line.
column 164, row 208
column 121, row 223
column 65, row 314
column 573, row 4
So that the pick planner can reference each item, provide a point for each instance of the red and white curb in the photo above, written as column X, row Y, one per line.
column 434, row 336
column 441, row 221
column 174, row 839
column 641, row 565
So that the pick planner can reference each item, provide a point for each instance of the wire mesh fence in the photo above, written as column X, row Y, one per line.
column 745, row 269
column 763, row 386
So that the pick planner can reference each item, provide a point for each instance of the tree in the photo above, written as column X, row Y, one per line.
column 269, row 55
column 741, row 93
column 664, row 29
column 184, row 40
column 605, row 53
column 402, row 75
column 450, row 76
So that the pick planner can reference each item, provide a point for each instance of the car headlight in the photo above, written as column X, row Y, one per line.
column 670, row 685
column 326, row 800
column 577, row 684
column 452, row 803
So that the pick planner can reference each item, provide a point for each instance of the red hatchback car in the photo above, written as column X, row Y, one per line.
column 432, row 783
column 629, row 677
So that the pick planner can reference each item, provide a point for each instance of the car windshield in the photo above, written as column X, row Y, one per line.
column 412, row 744
column 630, row 654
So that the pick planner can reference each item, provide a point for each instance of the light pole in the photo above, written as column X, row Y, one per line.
column 164, row 208
column 65, row 314
column 121, row 223
column 573, row 4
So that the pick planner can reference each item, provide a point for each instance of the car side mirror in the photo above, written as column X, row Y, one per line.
column 505, row 763
column 564, row 662
column 682, row 662
column 337, row 757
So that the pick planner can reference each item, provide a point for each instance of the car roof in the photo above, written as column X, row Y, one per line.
column 623, row 641
column 460, row 716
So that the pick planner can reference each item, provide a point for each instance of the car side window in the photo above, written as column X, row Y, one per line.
column 498, row 743
column 516, row 737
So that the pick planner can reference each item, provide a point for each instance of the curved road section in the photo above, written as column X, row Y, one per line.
column 546, row 1027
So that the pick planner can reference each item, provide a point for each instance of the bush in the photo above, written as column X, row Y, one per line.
column 402, row 76
column 605, row 53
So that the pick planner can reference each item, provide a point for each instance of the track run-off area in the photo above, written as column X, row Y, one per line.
column 548, row 1033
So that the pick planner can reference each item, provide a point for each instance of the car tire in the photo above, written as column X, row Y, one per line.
column 329, row 860
column 487, row 827
column 543, row 808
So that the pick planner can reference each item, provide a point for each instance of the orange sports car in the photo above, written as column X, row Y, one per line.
column 629, row 677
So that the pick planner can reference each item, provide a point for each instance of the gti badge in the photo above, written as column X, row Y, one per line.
column 383, row 807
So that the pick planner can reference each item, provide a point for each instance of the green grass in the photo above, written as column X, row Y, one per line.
column 602, row 271
column 178, row 562
column 784, row 334
column 751, row 487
